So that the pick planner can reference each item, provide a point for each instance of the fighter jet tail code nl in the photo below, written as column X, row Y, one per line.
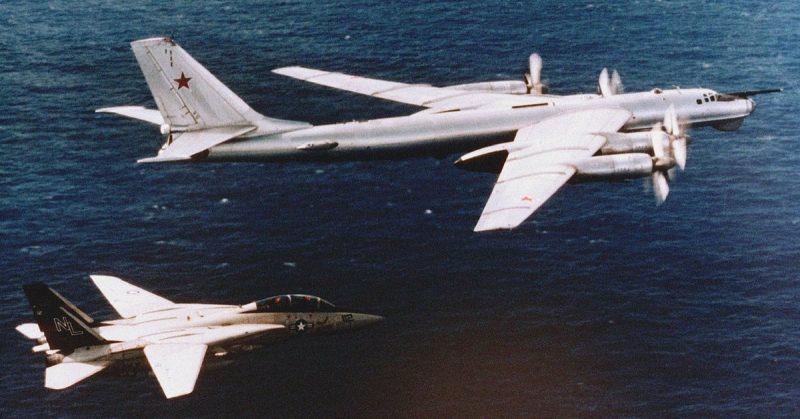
column 535, row 141
column 173, row 339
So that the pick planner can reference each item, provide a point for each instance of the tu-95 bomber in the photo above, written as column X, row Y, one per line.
column 535, row 140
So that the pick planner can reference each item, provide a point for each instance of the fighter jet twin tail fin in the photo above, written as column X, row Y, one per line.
column 66, row 329
column 65, row 326
column 196, row 111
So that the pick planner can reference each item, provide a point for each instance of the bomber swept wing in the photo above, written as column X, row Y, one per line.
column 436, row 98
column 542, row 160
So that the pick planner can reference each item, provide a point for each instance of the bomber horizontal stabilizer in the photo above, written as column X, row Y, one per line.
column 141, row 113
column 186, row 144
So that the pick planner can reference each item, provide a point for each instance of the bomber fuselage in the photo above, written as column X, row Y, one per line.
column 442, row 133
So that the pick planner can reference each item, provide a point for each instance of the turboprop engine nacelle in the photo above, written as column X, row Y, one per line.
column 637, row 142
column 617, row 166
column 491, row 159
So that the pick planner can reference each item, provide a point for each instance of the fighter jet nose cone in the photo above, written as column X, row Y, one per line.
column 365, row 320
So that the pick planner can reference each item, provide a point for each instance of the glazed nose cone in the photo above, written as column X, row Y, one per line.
column 751, row 105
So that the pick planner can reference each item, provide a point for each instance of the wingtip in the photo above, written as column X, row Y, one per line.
column 171, row 395
column 103, row 277
column 157, row 159
column 488, row 226
column 286, row 70
column 154, row 40
column 279, row 70
column 299, row 72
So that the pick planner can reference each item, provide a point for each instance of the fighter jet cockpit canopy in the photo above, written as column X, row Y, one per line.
column 291, row 303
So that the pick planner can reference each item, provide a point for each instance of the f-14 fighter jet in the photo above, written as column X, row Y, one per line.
column 174, row 339
column 535, row 141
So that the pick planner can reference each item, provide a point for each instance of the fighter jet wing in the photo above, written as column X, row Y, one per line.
column 177, row 356
column 542, row 162
column 449, row 98
column 176, row 366
column 129, row 300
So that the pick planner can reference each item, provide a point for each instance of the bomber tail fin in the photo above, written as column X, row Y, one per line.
column 196, row 111
column 65, row 326
column 189, row 97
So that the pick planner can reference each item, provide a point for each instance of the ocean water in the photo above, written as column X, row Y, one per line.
column 602, row 304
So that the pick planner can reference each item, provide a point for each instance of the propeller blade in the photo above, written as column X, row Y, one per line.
column 671, row 122
column 616, row 83
column 672, row 173
column 679, row 152
column 535, row 67
column 657, row 138
column 660, row 187
column 604, row 84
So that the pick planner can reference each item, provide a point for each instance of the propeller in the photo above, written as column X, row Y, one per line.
column 661, row 163
column 604, row 84
column 533, row 78
column 678, row 141
column 616, row 83
column 669, row 150
column 609, row 86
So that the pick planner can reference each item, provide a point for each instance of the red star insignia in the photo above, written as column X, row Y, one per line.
column 183, row 81
column 527, row 198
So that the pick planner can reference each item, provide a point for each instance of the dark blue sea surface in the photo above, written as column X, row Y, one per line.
column 602, row 304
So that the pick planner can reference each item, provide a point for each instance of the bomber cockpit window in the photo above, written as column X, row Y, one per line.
column 726, row 98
